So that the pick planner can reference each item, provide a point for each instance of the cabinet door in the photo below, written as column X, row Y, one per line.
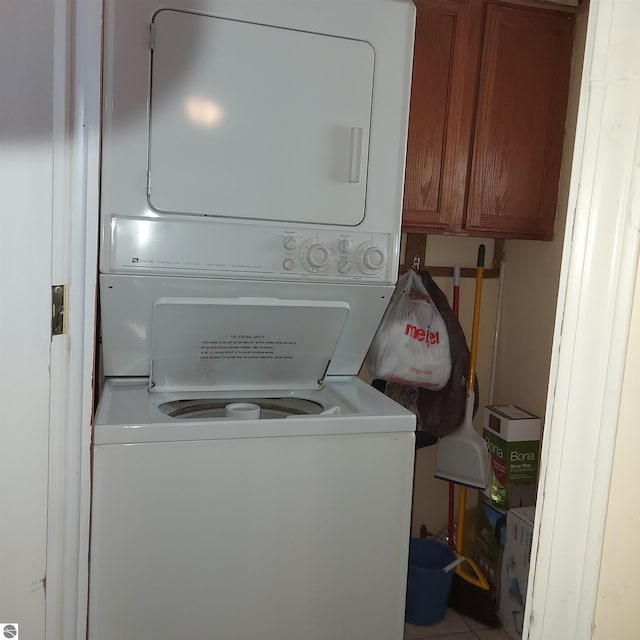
column 522, row 104
column 445, row 63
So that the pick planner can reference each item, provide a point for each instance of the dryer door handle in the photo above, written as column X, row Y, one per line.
column 355, row 154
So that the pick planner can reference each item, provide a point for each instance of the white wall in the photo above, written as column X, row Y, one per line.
column 26, row 170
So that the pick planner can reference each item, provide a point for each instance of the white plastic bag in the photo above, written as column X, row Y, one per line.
column 411, row 345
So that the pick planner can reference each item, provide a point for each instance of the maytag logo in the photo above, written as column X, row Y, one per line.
column 428, row 336
column 494, row 449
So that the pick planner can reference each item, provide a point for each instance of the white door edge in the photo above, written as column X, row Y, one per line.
column 592, row 326
column 75, row 221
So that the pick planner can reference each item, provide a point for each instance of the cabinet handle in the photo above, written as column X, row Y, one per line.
column 355, row 154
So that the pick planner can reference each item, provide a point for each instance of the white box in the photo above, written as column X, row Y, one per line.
column 515, row 569
column 511, row 423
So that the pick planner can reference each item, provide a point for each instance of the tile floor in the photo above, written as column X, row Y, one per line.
column 454, row 627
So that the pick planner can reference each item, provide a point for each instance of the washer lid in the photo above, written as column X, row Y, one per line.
column 242, row 343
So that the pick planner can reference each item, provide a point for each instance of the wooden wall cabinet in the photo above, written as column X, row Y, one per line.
column 486, row 126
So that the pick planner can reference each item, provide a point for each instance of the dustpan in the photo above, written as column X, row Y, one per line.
column 462, row 456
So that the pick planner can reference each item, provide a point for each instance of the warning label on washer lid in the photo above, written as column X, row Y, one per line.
column 247, row 347
column 238, row 343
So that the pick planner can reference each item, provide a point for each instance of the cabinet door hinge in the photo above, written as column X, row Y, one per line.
column 58, row 310
column 152, row 36
column 148, row 183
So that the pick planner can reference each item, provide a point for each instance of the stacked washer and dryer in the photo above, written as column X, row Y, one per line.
column 246, row 483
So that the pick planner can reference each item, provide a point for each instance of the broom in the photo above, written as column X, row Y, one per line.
column 470, row 593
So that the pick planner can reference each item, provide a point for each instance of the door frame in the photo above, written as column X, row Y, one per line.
column 597, row 283
column 76, row 157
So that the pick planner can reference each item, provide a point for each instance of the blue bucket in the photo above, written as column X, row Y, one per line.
column 427, row 585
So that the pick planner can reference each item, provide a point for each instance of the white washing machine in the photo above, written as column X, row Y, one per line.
column 245, row 482
column 294, row 525
column 275, row 504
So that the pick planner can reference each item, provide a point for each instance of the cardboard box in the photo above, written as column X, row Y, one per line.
column 515, row 570
column 489, row 542
column 513, row 439
column 511, row 423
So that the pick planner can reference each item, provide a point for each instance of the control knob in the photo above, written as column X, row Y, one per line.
column 318, row 255
column 344, row 266
column 314, row 256
column 344, row 245
column 289, row 242
column 370, row 257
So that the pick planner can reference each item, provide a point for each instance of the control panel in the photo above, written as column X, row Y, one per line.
column 209, row 248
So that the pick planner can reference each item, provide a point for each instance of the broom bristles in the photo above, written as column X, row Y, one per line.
column 473, row 602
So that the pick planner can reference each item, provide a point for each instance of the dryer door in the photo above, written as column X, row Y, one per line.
column 258, row 122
